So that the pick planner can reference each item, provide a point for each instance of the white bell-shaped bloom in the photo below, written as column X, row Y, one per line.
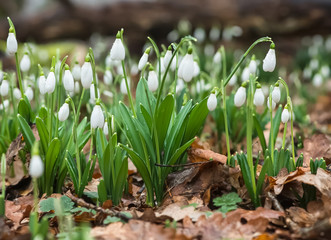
column 273, row 104
column 77, row 88
column 105, row 128
column 4, row 104
column 17, row 93
column 162, row 65
column 76, row 71
column 68, row 81
column 29, row 93
column 97, row 118
column 123, row 87
column 108, row 77
column 196, row 71
column 180, row 85
column 167, row 58
column 245, row 74
column 314, row 64
column 317, row 80
column 325, row 71
column 252, row 67
column 4, row 88
column 11, row 43
column 240, row 97
column 276, row 94
column 42, row 84
column 117, row 51
column 63, row 112
column 143, row 61
column 86, row 75
column 200, row 34
column 50, row 82
column 152, row 81
column 258, row 97
column 214, row 34
column 285, row 115
column 186, row 68
column 25, row 63
column 134, row 69
column 233, row 80
column 212, row 102
column 36, row 168
column 269, row 62
column 217, row 58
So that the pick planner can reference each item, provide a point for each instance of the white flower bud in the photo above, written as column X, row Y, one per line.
column 285, row 115
column 180, row 85
column 252, row 67
column 233, row 80
column 313, row 64
column 196, row 71
column 50, row 82
column 29, row 93
column 36, row 168
column 117, row 51
column 17, row 93
column 212, row 102
column 11, row 43
column 86, row 75
column 76, row 71
column 108, row 77
column 105, row 128
column 162, row 65
column 77, row 88
column 240, row 97
column 123, row 87
column 68, row 81
column 152, row 81
column 258, row 97
column 214, row 34
column 63, row 112
column 317, row 80
column 25, row 63
column 325, row 71
column 143, row 60
column 4, row 104
column 186, row 68
column 4, row 88
column 97, row 118
column 217, row 58
column 269, row 62
column 167, row 58
column 134, row 69
column 273, row 104
column 42, row 84
column 276, row 94
column 245, row 74
column 200, row 34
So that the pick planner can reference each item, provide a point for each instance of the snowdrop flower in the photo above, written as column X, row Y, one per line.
column 76, row 71
column 42, row 85
column 97, row 118
column 217, row 58
column 212, row 102
column 36, row 168
column 240, row 96
column 325, row 71
column 50, row 82
column 269, row 62
column 245, row 74
column 86, row 74
column 307, row 72
column 77, row 88
column 108, row 93
column 317, row 80
column 4, row 104
column 152, row 80
column 117, row 51
column 92, row 94
column 134, row 69
column 4, row 88
column 200, row 34
column 209, row 50
column 186, row 67
column 285, row 115
column 273, row 104
column 214, row 34
column 17, row 93
column 313, row 64
column 25, row 63
column 252, row 66
column 276, row 93
column 167, row 57
column 68, row 80
column 11, row 42
column 173, row 63
column 233, row 80
column 180, row 85
column 29, row 93
column 144, row 58
column 196, row 71
column 105, row 128
column 108, row 77
column 123, row 87
column 64, row 112
column 258, row 97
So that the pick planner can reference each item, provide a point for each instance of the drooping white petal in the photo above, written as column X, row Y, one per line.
column 97, row 118
column 68, row 81
column 273, row 104
column 50, row 82
column 17, row 93
column 152, row 81
column 245, row 74
column 29, row 93
column 252, row 67
column 196, row 71
column 123, row 87
column 217, row 58
column 4, row 88
column 77, row 87
column 240, row 97
column 258, row 97
column 63, row 112
column 317, row 80
column 233, row 80
column 105, row 128
column 167, row 58
column 117, row 51
column 36, row 168
column 42, row 85
column 86, row 75
column 269, row 62
column 92, row 94
column 76, row 71
column 200, row 34
column 108, row 77
column 11, row 43
column 186, row 68
column 25, row 63
column 142, row 61
column 285, row 115
column 212, row 102
column 214, row 34
column 276, row 94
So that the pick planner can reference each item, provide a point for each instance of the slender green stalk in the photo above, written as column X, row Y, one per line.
column 94, row 73
column 19, row 75
column 3, row 193
column 272, row 145
column 35, row 194
column 284, row 135
column 128, row 90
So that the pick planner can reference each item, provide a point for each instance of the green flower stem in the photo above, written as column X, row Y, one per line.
column 225, row 114
column 80, row 104
column 284, row 135
column 249, row 134
column 5, row 117
column 19, row 75
column 128, row 90
column 94, row 73
column 272, row 146
column 260, row 40
column 35, row 194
